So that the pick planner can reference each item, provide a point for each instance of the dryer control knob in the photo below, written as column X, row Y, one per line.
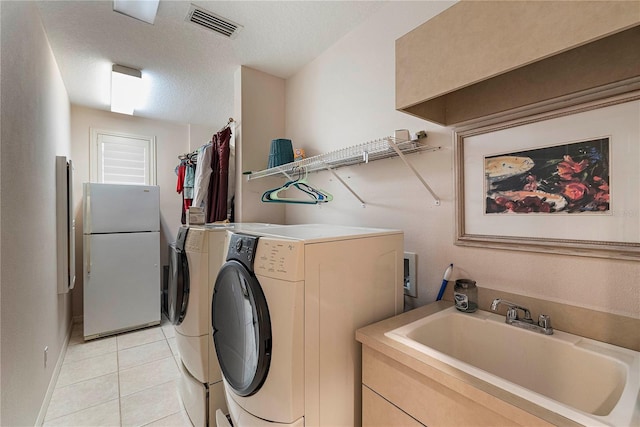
column 239, row 245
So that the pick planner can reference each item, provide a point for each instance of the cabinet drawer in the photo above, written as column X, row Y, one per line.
column 432, row 403
column 377, row 412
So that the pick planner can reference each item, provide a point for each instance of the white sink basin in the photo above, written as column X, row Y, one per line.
column 587, row 381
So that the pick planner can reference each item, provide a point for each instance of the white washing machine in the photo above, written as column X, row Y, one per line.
column 196, row 258
column 286, row 305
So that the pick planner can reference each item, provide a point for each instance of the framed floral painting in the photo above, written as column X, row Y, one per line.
column 566, row 181
column 565, row 178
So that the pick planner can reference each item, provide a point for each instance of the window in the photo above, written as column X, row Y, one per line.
column 118, row 158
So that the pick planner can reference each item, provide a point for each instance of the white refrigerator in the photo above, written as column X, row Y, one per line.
column 122, row 285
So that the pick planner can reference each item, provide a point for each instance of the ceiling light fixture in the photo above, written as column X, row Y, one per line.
column 144, row 10
column 126, row 89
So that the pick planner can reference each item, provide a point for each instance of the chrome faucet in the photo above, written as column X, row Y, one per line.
column 544, row 321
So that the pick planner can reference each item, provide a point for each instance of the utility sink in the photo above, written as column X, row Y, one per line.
column 587, row 381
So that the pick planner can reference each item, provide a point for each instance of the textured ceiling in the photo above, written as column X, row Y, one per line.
column 190, row 70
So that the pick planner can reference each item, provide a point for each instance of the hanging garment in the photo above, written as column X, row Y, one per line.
column 202, row 176
column 189, row 178
column 218, row 187
column 181, row 171
column 182, row 168
column 231, row 187
column 188, row 186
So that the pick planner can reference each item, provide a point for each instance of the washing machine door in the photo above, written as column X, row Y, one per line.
column 178, row 286
column 241, row 328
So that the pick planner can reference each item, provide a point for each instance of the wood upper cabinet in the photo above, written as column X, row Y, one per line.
column 478, row 59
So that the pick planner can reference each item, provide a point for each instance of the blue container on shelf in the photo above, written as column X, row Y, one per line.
column 281, row 152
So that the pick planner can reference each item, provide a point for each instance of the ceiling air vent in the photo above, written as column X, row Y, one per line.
column 213, row 22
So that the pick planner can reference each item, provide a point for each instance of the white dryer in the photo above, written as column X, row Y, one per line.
column 286, row 305
column 196, row 258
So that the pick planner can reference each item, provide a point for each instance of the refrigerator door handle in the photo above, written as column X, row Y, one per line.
column 88, row 257
column 86, row 205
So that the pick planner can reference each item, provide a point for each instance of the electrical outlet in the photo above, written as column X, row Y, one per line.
column 46, row 354
column 410, row 275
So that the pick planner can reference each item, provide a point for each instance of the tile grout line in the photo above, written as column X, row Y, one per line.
column 151, row 386
column 79, row 410
column 77, row 382
column 120, row 369
column 165, row 339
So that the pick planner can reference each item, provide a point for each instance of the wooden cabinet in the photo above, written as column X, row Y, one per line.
column 378, row 412
column 396, row 395
column 481, row 59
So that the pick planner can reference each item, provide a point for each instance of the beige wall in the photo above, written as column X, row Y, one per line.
column 200, row 135
column 172, row 139
column 345, row 97
column 35, row 128
column 259, row 110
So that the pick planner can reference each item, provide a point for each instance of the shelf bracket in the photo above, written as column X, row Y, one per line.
column 330, row 169
column 400, row 154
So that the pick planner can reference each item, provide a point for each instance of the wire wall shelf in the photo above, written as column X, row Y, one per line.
column 379, row 149
column 356, row 154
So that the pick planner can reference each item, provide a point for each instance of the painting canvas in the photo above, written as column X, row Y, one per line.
column 567, row 178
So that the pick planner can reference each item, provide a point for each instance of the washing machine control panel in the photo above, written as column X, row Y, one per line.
column 242, row 248
column 280, row 259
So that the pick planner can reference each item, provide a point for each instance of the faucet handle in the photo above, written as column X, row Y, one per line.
column 512, row 311
column 544, row 321
column 512, row 314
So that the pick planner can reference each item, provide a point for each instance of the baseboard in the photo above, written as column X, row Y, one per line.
column 54, row 377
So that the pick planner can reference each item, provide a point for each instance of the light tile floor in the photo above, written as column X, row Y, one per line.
column 126, row 380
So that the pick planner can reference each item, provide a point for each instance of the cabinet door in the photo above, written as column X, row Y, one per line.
column 378, row 412
column 513, row 57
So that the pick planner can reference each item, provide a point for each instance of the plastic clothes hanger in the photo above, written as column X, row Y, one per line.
column 303, row 185
column 315, row 195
